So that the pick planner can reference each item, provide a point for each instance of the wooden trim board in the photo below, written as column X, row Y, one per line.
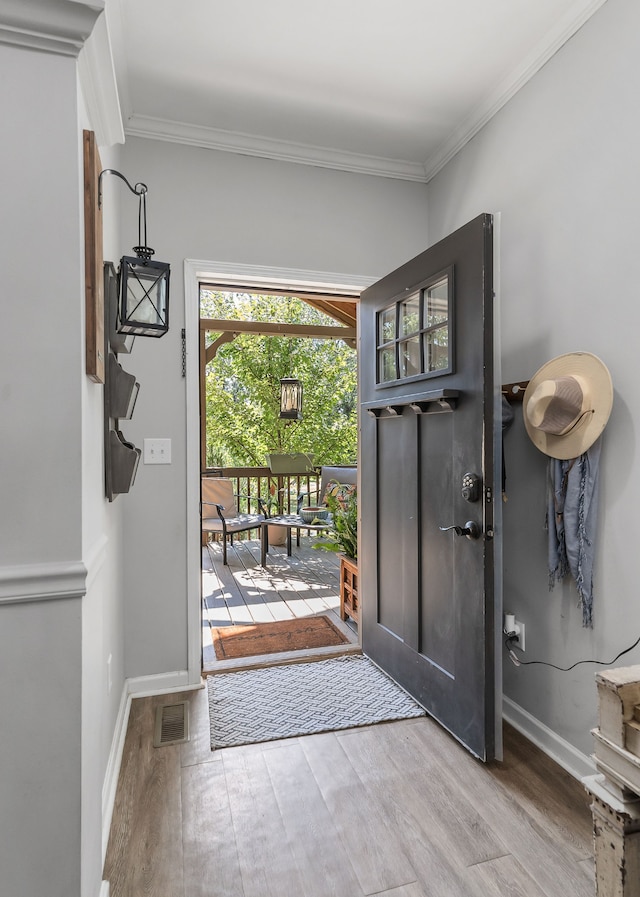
column 93, row 261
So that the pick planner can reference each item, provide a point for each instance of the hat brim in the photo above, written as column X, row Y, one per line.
column 584, row 434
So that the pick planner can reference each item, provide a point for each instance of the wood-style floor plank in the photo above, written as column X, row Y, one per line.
column 443, row 836
column 211, row 861
column 147, row 816
column 394, row 810
column 413, row 782
column 528, row 775
column 322, row 860
column 504, row 877
column 267, row 860
column 547, row 860
column 364, row 829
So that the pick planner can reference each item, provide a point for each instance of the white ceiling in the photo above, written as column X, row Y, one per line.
column 391, row 88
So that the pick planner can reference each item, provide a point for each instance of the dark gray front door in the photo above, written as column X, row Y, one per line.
column 428, row 458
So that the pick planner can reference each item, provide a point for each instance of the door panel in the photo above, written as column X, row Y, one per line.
column 397, row 500
column 427, row 392
column 437, row 617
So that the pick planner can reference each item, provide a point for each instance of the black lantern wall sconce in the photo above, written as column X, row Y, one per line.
column 290, row 399
column 143, row 301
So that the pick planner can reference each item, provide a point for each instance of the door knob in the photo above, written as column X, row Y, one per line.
column 471, row 529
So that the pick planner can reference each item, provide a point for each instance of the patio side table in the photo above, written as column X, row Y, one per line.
column 291, row 522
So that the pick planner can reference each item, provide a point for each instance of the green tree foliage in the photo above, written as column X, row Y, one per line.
column 243, row 386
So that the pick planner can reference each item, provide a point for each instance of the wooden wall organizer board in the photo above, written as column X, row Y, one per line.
column 93, row 261
column 103, row 342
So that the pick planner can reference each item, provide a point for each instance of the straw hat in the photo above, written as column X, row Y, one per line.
column 567, row 404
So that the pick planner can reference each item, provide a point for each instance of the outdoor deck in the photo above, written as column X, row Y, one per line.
column 244, row 592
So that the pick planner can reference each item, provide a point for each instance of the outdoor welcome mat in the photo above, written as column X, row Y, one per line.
column 284, row 701
column 271, row 638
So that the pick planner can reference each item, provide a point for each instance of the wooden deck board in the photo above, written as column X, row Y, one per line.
column 244, row 592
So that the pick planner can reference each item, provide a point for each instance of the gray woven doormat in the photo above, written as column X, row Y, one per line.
column 250, row 706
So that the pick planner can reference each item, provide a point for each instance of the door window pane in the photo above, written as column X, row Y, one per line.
column 436, row 327
column 410, row 357
column 410, row 315
column 437, row 303
column 437, row 349
column 387, row 325
column 388, row 365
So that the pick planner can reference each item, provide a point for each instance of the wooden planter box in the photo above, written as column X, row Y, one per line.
column 349, row 602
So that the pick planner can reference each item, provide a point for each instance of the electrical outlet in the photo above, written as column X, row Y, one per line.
column 515, row 629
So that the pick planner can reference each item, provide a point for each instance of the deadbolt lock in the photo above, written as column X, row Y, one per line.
column 471, row 487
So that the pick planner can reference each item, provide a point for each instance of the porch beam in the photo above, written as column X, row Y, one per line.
column 263, row 328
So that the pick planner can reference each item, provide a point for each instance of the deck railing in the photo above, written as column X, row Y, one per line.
column 279, row 491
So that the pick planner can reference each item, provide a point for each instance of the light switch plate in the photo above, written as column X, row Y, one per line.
column 156, row 451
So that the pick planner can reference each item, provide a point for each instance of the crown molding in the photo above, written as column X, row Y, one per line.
column 324, row 157
column 563, row 30
column 52, row 26
column 280, row 150
column 99, row 86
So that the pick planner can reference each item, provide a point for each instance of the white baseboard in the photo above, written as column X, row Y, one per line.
column 565, row 755
column 104, row 889
column 161, row 684
column 110, row 783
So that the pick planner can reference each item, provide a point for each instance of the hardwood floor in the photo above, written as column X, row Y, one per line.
column 397, row 809
column 244, row 592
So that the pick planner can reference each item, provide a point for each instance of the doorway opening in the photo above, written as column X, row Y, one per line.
column 265, row 606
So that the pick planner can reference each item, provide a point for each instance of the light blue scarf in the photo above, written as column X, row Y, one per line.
column 571, row 521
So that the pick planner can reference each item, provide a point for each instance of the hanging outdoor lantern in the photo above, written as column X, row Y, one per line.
column 143, row 306
column 290, row 399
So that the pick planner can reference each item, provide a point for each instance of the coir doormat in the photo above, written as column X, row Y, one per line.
column 288, row 700
column 231, row 642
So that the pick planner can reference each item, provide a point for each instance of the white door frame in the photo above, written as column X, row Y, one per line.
column 195, row 271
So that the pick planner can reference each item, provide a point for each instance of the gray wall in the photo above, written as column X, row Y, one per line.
column 205, row 204
column 559, row 163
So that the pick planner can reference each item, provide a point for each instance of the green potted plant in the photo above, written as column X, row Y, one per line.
column 343, row 538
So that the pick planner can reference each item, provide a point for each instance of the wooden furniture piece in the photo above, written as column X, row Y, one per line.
column 349, row 598
column 615, row 791
column 220, row 511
